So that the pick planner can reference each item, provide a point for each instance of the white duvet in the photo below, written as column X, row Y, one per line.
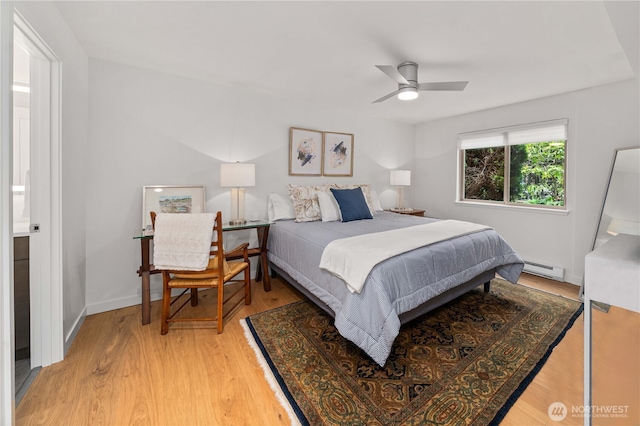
column 353, row 258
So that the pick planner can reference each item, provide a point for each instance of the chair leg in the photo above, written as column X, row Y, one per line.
column 247, row 287
column 166, row 304
column 220, row 306
column 194, row 297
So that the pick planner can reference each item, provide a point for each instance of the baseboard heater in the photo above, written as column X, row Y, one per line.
column 553, row 272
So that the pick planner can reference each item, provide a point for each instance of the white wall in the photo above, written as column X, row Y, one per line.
column 150, row 128
column 600, row 120
column 46, row 20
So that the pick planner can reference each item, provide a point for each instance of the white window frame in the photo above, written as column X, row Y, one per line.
column 506, row 137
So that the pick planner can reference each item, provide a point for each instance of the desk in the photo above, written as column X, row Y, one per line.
column 611, row 276
column 146, row 268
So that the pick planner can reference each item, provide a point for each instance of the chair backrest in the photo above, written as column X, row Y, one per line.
column 217, row 244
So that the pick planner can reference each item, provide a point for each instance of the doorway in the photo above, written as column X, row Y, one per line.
column 39, row 212
column 20, row 188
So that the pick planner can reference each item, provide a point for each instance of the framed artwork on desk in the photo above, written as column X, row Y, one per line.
column 171, row 199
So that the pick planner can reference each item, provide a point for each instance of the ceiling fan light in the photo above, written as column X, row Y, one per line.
column 408, row 93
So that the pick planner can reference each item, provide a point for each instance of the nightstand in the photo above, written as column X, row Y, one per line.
column 414, row 212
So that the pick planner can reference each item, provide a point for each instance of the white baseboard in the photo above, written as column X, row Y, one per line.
column 124, row 302
column 573, row 279
column 74, row 330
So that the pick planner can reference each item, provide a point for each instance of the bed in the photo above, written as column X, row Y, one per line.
column 398, row 289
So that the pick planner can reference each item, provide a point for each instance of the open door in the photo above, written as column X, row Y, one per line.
column 45, row 245
column 7, row 385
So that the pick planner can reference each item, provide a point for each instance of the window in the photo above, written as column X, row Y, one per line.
column 518, row 165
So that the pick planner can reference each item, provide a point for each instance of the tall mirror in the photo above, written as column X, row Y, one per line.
column 621, row 207
column 620, row 213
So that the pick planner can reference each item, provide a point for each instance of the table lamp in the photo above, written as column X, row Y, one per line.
column 400, row 179
column 237, row 175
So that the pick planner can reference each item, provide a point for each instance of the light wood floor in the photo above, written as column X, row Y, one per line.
column 118, row 372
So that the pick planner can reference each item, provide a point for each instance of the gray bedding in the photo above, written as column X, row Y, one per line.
column 370, row 319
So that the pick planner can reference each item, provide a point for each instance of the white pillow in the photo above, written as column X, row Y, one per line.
column 376, row 201
column 305, row 201
column 329, row 208
column 279, row 208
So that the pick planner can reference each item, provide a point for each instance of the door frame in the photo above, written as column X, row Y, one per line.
column 49, row 317
column 45, row 246
column 7, row 347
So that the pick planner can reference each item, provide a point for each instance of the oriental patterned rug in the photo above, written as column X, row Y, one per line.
column 465, row 363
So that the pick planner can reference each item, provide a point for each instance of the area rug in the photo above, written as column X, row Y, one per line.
column 464, row 363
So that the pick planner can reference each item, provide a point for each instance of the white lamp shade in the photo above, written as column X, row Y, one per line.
column 237, row 174
column 400, row 177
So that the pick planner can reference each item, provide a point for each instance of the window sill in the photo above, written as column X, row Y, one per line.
column 542, row 210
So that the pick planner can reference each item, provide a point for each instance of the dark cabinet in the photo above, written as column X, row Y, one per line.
column 21, row 296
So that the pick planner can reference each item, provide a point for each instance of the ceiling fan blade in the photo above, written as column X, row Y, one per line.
column 384, row 98
column 393, row 73
column 445, row 85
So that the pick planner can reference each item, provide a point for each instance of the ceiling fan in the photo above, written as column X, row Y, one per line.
column 406, row 75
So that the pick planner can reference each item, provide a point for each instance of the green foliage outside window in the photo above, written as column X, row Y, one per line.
column 536, row 173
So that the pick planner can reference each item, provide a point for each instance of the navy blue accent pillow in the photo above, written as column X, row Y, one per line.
column 352, row 204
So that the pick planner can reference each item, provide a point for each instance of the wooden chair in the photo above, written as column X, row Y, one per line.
column 218, row 275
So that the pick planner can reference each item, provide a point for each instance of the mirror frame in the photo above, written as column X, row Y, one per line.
column 606, row 191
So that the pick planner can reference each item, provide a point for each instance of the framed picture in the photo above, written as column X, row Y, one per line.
column 171, row 199
column 305, row 152
column 337, row 154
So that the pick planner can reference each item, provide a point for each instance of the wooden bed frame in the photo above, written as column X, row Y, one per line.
column 482, row 279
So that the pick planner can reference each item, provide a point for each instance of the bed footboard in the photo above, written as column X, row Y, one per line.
column 482, row 279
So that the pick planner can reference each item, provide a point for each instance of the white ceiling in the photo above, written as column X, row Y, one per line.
column 325, row 52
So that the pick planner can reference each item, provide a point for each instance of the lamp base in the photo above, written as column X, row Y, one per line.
column 237, row 222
